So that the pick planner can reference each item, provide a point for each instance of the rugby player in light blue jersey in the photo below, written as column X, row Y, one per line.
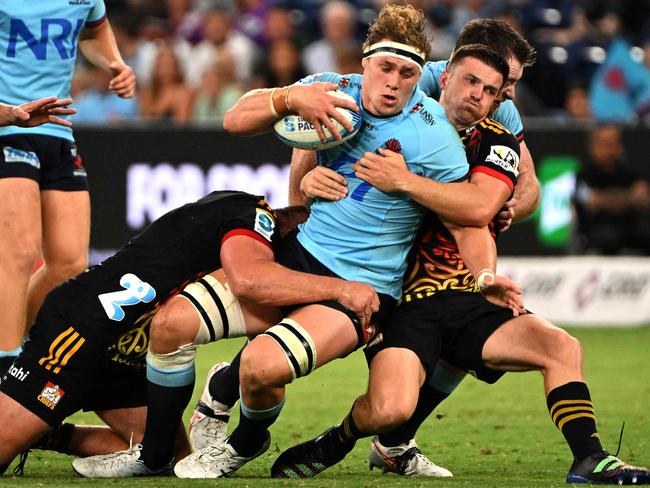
column 365, row 236
column 43, row 184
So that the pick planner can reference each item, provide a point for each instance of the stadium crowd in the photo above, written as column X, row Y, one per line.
column 204, row 54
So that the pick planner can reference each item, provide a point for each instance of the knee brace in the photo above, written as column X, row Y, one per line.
column 172, row 369
column 297, row 345
column 218, row 310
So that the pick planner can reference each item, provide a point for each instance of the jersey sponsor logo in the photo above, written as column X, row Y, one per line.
column 13, row 155
column 62, row 348
column 135, row 291
column 50, row 395
column 18, row 373
column 79, row 2
column 264, row 224
column 427, row 117
column 59, row 31
column 504, row 157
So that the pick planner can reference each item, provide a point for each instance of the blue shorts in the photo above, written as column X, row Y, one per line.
column 51, row 161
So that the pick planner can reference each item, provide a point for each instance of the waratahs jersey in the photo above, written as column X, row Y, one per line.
column 38, row 49
column 507, row 114
column 367, row 235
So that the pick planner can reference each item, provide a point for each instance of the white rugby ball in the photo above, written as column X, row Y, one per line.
column 297, row 132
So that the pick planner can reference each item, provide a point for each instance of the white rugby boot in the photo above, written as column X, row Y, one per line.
column 405, row 459
column 121, row 464
column 215, row 461
column 209, row 422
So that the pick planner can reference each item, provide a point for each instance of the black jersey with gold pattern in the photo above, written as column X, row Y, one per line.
column 435, row 263
column 113, row 303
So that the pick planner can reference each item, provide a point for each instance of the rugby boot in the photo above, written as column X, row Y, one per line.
column 19, row 469
column 604, row 469
column 121, row 464
column 209, row 422
column 405, row 459
column 215, row 461
column 308, row 459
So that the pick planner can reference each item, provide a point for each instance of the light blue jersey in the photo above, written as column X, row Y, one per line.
column 38, row 49
column 507, row 113
column 367, row 235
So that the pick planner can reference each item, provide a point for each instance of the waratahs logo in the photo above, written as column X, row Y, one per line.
column 393, row 145
column 289, row 125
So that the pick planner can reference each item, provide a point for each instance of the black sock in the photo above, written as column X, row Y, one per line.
column 224, row 385
column 58, row 439
column 253, row 429
column 573, row 413
column 165, row 405
column 347, row 434
column 428, row 400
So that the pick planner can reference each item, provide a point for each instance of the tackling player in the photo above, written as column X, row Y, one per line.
column 88, row 345
column 443, row 315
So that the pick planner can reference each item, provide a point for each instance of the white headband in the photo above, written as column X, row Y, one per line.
column 397, row 49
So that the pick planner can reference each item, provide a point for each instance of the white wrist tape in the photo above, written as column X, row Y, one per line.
column 485, row 279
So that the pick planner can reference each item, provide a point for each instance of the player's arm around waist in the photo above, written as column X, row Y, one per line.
column 253, row 275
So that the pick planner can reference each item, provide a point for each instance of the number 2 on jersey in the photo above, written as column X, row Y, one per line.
column 135, row 291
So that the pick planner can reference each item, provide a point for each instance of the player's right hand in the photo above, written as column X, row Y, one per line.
column 314, row 105
column 506, row 293
column 361, row 298
column 123, row 81
column 504, row 218
column 322, row 182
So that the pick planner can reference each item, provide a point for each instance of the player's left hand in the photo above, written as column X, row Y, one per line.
column 504, row 218
column 123, row 81
column 506, row 293
column 42, row 111
column 384, row 171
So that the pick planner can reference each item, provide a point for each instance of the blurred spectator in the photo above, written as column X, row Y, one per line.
column 620, row 87
column 612, row 201
column 278, row 25
column 95, row 104
column 167, row 97
column 282, row 65
column 250, row 20
column 338, row 25
column 218, row 92
column 218, row 32
column 576, row 104
column 347, row 57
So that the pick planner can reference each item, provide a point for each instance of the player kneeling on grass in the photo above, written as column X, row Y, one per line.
column 91, row 335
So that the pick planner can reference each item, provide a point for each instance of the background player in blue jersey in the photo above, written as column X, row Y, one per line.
column 43, row 184
column 363, row 237
column 37, row 112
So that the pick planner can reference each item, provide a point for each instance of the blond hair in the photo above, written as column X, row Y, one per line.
column 403, row 24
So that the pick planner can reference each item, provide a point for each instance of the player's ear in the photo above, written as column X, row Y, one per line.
column 444, row 77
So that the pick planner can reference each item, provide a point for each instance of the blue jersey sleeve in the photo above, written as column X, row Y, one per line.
column 97, row 14
column 508, row 115
column 430, row 79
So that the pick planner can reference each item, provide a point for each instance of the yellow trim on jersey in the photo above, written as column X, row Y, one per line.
column 486, row 125
column 56, row 351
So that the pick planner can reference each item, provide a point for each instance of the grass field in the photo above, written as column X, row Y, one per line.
column 488, row 436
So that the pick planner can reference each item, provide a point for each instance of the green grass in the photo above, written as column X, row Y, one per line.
column 488, row 436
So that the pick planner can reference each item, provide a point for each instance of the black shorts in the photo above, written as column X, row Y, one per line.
column 450, row 325
column 51, row 161
column 291, row 254
column 65, row 368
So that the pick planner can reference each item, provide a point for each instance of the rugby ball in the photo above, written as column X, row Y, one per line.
column 297, row 132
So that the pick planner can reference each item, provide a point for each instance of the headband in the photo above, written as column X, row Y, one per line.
column 397, row 49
